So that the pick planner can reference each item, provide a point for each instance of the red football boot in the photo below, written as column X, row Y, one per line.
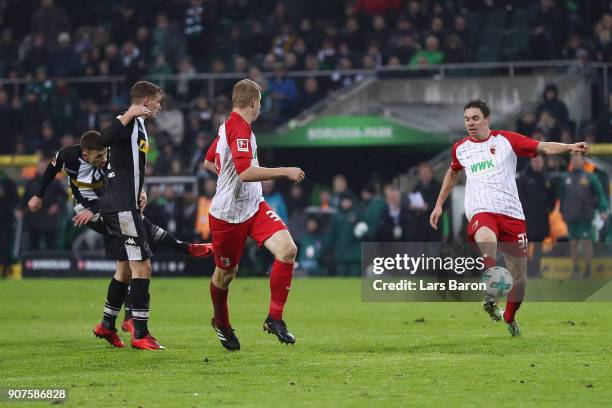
column 128, row 326
column 109, row 335
column 146, row 343
column 201, row 250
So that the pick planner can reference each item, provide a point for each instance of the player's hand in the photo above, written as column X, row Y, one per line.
column 35, row 204
column 580, row 147
column 143, row 200
column 295, row 174
column 136, row 111
column 82, row 218
column 435, row 217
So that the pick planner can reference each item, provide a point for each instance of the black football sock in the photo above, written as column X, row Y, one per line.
column 127, row 307
column 117, row 291
column 140, row 306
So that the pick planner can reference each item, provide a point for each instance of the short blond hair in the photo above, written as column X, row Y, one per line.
column 244, row 92
column 144, row 89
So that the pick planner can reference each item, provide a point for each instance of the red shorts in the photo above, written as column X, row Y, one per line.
column 510, row 232
column 228, row 239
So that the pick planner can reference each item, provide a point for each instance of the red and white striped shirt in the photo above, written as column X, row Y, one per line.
column 235, row 201
column 490, row 167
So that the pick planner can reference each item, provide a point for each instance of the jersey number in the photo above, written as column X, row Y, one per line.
column 273, row 215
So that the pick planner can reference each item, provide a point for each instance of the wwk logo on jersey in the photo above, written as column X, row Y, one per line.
column 482, row 166
column 243, row 145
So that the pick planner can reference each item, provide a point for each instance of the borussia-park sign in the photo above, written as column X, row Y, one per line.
column 332, row 131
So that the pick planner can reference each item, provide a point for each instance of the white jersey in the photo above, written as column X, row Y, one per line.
column 490, row 167
column 236, row 151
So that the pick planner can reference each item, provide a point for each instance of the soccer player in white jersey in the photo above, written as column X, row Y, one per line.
column 238, row 211
column 492, row 204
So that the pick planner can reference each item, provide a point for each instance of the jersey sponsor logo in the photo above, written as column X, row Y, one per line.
column 483, row 165
column 242, row 145
column 130, row 241
column 143, row 146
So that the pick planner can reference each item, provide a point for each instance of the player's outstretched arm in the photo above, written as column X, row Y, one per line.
column 560, row 148
column 294, row 174
column 450, row 179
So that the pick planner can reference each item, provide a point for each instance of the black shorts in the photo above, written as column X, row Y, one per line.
column 127, row 236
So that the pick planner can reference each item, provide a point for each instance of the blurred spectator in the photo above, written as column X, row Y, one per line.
column 537, row 193
column 275, row 200
column 50, row 142
column 161, row 66
column 311, row 246
column 37, row 55
column 581, row 195
column 454, row 50
column 64, row 107
column 198, row 155
column 339, row 186
column 9, row 200
column 197, row 22
column 49, row 20
column 31, row 119
column 155, row 210
column 296, row 208
column 554, row 105
column 421, row 202
column 43, row 227
column 8, row 51
column 172, row 121
column 342, row 238
column 460, row 29
column 163, row 164
column 186, row 214
column 549, row 126
column 167, row 39
column 538, row 197
column 372, row 207
column 431, row 55
column 547, row 33
column 394, row 224
column 63, row 61
column 284, row 93
column 311, row 93
column 90, row 116
column 125, row 23
column 526, row 124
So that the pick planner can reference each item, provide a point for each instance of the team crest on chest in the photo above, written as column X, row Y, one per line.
column 492, row 150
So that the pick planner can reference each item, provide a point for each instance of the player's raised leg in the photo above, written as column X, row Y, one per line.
column 157, row 234
column 486, row 238
column 117, row 292
column 284, row 250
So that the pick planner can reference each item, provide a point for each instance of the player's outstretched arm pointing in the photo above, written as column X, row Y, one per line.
column 560, row 148
column 294, row 174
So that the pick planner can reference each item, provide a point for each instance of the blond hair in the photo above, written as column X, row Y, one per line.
column 244, row 92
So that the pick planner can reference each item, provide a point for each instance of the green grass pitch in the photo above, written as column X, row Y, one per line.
column 348, row 353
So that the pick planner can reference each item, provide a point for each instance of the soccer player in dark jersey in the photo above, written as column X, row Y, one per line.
column 120, row 205
column 83, row 164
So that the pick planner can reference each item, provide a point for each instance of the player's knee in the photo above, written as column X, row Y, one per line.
column 485, row 234
column 289, row 252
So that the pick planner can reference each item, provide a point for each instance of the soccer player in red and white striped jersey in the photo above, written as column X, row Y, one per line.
column 238, row 211
column 492, row 204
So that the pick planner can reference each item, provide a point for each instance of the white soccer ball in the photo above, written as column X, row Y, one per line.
column 499, row 281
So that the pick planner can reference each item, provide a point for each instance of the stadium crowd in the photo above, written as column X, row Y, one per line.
column 47, row 41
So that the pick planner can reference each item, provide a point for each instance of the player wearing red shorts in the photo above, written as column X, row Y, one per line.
column 238, row 211
column 492, row 203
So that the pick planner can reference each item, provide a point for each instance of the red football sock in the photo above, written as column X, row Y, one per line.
column 219, row 301
column 280, row 283
column 489, row 262
column 513, row 302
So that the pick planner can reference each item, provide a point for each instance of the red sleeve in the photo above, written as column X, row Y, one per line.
column 210, row 153
column 239, row 141
column 523, row 146
column 455, row 165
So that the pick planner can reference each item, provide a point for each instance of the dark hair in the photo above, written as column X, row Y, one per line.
column 477, row 103
column 91, row 140
column 144, row 89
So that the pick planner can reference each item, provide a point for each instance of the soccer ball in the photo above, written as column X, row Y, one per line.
column 498, row 280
